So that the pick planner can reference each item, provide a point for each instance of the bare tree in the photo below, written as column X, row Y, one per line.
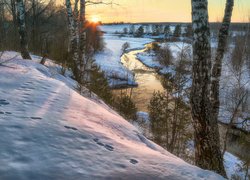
column 73, row 47
column 216, row 70
column 234, row 92
column 80, row 52
column 22, row 29
column 205, row 87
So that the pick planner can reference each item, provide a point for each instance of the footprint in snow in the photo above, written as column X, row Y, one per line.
column 8, row 113
column 3, row 102
column 36, row 118
column 26, row 87
column 72, row 128
column 108, row 147
column 133, row 161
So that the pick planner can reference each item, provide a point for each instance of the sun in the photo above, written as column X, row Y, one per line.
column 95, row 19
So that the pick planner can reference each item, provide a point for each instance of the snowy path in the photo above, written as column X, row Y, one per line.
column 49, row 131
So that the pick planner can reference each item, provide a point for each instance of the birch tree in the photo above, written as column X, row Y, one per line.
column 22, row 29
column 205, row 87
column 79, row 50
column 73, row 46
column 216, row 70
column 78, row 37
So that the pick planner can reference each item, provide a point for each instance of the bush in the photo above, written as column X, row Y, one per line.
column 177, row 31
column 164, row 56
column 125, row 47
column 125, row 30
column 170, row 121
column 99, row 85
column 126, row 107
column 154, row 46
column 167, row 31
column 139, row 32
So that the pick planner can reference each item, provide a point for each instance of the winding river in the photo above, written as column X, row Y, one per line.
column 149, row 81
column 147, row 78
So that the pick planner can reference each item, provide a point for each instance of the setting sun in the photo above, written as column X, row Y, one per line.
column 95, row 19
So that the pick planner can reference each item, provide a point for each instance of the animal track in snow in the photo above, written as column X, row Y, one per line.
column 72, row 128
column 36, row 118
column 3, row 102
column 133, row 161
column 108, row 147
column 8, row 113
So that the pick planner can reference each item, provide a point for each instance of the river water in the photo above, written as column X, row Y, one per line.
column 147, row 78
column 149, row 81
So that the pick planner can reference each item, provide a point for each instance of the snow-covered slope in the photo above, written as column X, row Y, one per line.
column 49, row 131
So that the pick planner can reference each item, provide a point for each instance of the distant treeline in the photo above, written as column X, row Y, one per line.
column 213, row 25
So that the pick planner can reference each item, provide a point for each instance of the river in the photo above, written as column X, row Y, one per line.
column 149, row 81
column 147, row 78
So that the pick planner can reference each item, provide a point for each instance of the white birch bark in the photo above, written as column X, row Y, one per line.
column 22, row 29
column 73, row 46
column 216, row 71
column 207, row 143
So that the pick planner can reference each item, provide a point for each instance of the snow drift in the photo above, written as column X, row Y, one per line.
column 49, row 131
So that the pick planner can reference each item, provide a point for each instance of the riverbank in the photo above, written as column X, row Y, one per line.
column 110, row 59
column 147, row 79
column 234, row 158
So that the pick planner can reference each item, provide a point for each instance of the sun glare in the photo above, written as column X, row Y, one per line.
column 95, row 19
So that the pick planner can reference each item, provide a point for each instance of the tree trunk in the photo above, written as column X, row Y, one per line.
column 82, row 36
column 13, row 12
column 216, row 71
column 22, row 29
column 73, row 47
column 207, row 146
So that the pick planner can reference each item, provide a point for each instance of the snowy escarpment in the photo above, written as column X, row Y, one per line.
column 49, row 131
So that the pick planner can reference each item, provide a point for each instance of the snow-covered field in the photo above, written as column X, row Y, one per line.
column 49, row 131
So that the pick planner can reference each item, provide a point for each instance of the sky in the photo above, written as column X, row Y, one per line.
column 163, row 11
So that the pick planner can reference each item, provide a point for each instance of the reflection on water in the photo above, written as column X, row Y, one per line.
column 147, row 78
